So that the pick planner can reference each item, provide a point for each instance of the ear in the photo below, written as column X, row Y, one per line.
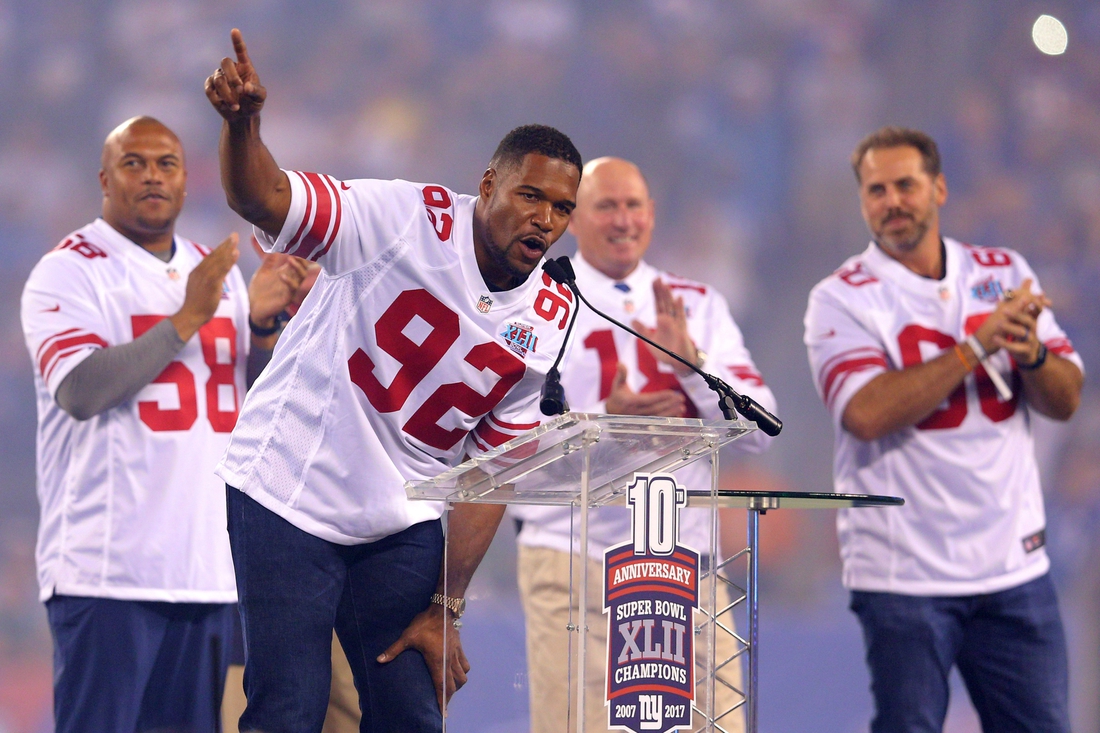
column 488, row 183
column 103, row 181
column 941, row 190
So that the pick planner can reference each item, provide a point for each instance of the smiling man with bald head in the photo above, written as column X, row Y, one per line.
column 610, row 371
column 139, row 340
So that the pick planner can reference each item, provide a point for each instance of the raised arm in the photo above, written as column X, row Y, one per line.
column 254, row 185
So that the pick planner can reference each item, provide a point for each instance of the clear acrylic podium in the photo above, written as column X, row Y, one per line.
column 586, row 461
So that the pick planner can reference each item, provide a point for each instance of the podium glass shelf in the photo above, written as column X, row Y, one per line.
column 545, row 465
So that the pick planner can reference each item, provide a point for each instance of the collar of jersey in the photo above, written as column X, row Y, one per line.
column 886, row 267
column 603, row 287
column 126, row 247
column 471, row 273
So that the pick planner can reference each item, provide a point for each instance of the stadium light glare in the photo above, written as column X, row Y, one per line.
column 1049, row 35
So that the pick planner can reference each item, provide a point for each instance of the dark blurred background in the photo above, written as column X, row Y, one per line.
column 742, row 113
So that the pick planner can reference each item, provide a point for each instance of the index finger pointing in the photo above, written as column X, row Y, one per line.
column 238, row 46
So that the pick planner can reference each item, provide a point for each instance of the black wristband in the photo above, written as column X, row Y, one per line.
column 1039, row 360
column 265, row 332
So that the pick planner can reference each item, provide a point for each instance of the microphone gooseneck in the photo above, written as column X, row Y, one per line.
column 729, row 401
column 552, row 397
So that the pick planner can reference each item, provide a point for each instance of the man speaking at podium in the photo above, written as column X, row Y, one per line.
column 610, row 371
column 394, row 359
column 930, row 355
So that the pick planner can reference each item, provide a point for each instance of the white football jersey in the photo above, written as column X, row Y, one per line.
column 973, row 518
column 130, row 506
column 588, row 371
column 400, row 361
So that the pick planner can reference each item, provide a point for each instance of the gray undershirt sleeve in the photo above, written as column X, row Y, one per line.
column 113, row 375
column 257, row 360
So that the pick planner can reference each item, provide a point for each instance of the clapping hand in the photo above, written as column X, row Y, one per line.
column 671, row 330
column 280, row 283
column 1013, row 325
column 205, row 286
column 624, row 401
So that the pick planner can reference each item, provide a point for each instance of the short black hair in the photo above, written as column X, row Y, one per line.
column 899, row 137
column 541, row 139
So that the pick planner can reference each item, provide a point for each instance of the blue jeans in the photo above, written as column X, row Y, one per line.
column 1009, row 646
column 126, row 666
column 294, row 588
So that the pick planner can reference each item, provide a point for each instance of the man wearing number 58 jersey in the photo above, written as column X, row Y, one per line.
column 930, row 356
column 425, row 339
column 139, row 340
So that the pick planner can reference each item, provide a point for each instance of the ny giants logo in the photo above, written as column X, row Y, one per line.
column 651, row 589
column 520, row 338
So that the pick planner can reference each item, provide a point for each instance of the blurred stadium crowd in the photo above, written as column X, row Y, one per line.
column 743, row 115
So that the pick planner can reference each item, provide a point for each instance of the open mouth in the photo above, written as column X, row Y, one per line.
column 153, row 196
column 533, row 247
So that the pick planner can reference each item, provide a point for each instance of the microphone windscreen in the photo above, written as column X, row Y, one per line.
column 567, row 267
column 556, row 272
column 552, row 398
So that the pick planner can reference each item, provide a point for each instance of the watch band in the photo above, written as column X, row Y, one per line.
column 457, row 606
column 1040, row 359
column 280, row 320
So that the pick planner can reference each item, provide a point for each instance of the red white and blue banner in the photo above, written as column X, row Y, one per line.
column 651, row 590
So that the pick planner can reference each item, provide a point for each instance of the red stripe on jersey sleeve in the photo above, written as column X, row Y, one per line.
column 515, row 427
column 316, row 234
column 305, row 218
column 1060, row 346
column 336, row 223
column 490, row 435
column 862, row 351
column 50, row 340
column 480, row 446
column 52, row 356
column 844, row 370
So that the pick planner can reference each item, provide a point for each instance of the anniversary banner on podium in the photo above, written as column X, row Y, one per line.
column 651, row 591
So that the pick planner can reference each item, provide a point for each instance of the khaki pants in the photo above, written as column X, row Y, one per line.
column 343, row 703
column 544, row 590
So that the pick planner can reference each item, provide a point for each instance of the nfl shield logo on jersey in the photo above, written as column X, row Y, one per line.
column 484, row 303
column 520, row 338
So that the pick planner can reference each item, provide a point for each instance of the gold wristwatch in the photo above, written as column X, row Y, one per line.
column 457, row 606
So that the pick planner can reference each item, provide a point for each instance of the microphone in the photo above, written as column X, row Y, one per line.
column 729, row 401
column 552, row 397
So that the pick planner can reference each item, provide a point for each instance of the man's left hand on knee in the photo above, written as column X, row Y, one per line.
column 431, row 633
